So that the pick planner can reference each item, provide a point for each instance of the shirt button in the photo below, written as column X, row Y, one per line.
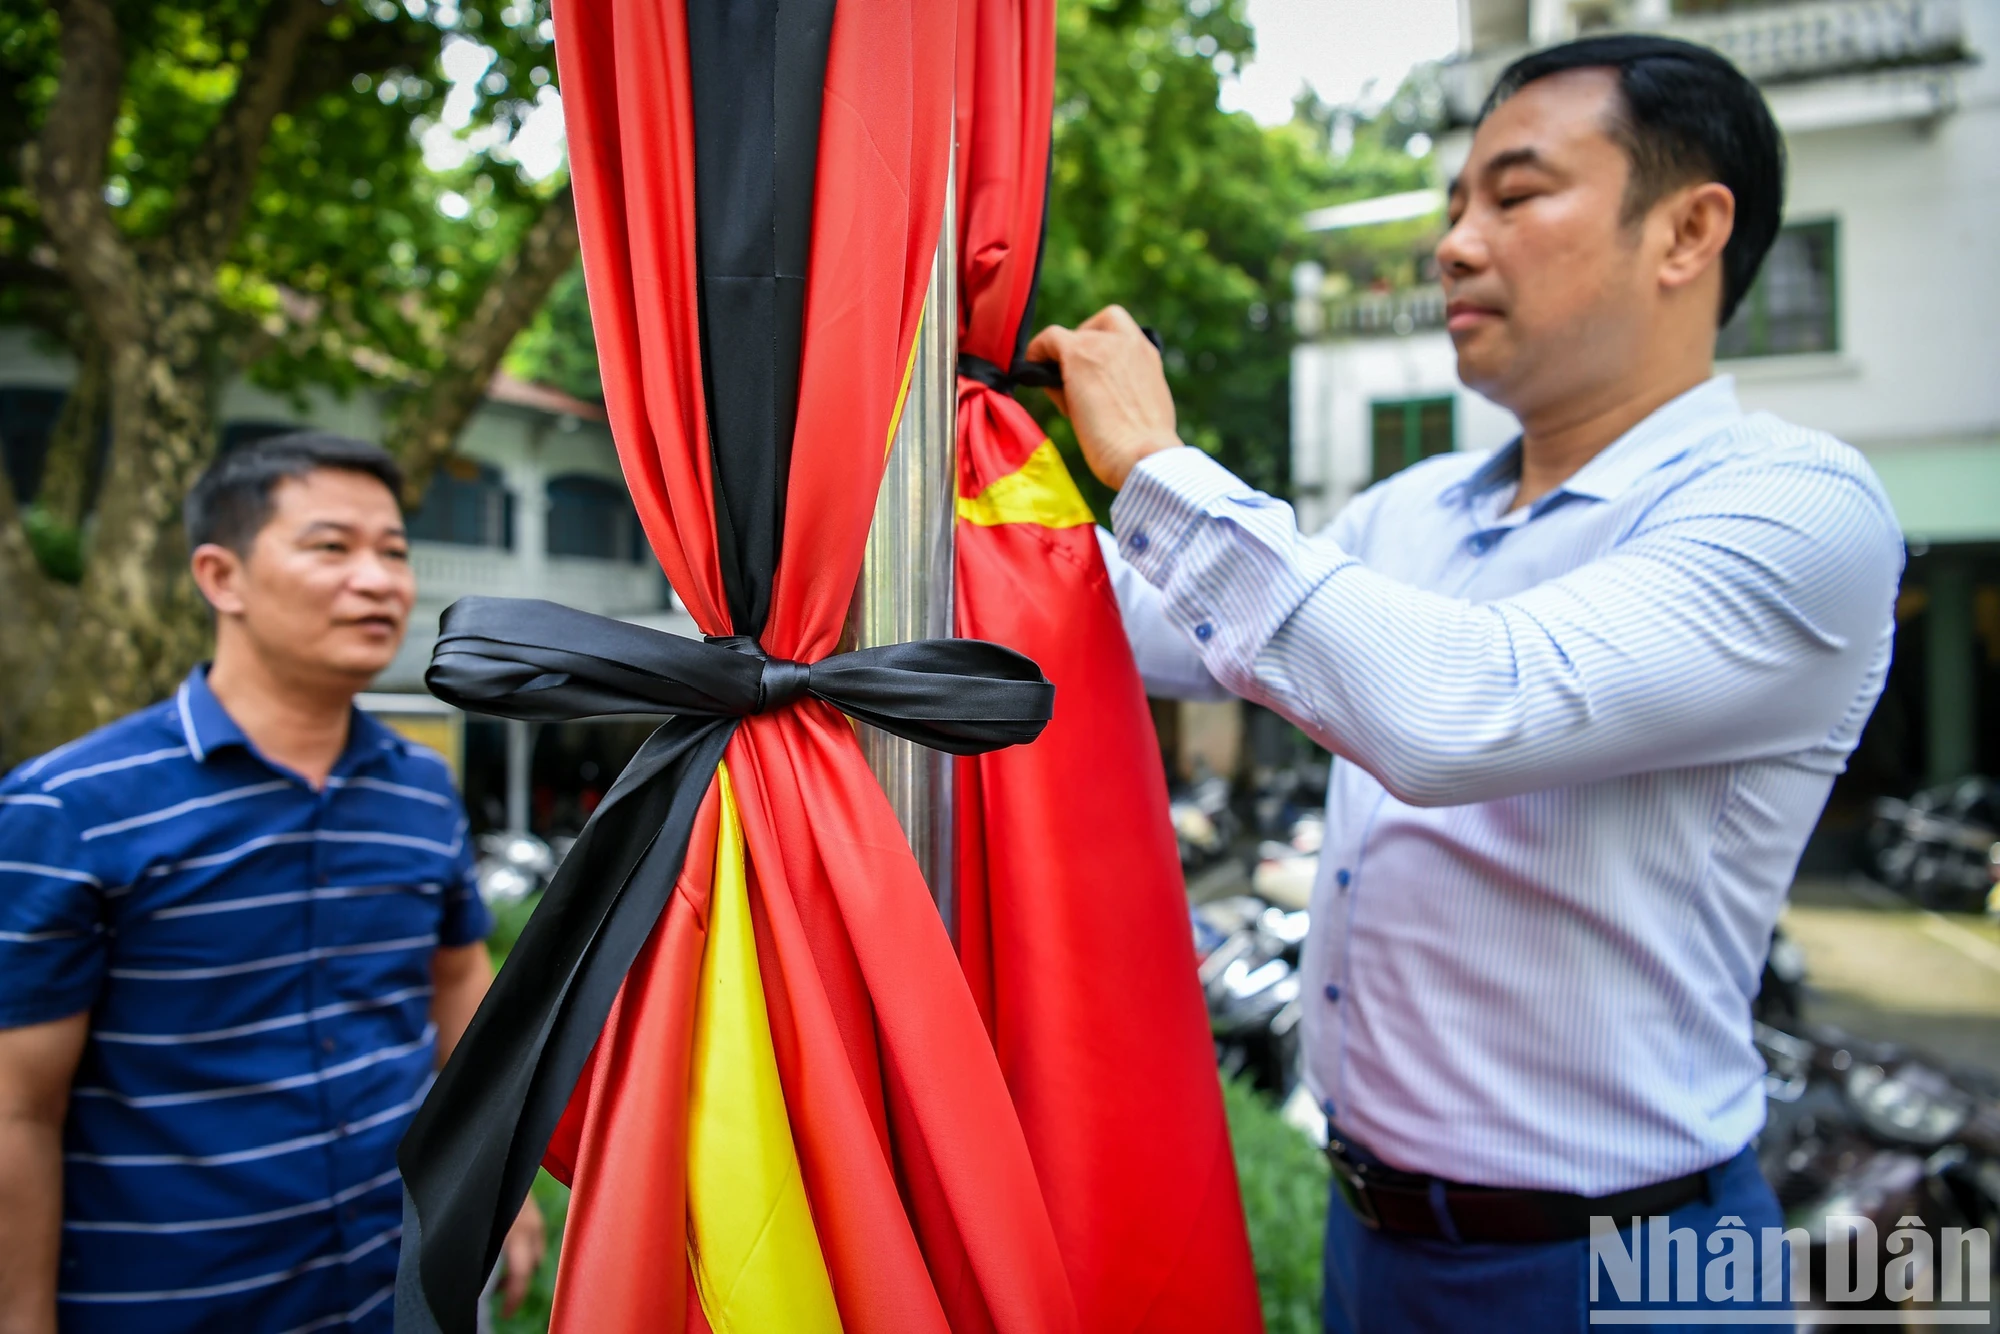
column 1480, row 543
column 1204, row 632
column 1341, row 877
column 1332, row 992
column 1139, row 542
column 326, row 1045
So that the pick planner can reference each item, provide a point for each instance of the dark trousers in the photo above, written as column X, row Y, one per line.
column 1382, row 1284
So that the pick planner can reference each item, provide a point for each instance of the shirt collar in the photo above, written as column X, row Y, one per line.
column 1662, row 437
column 204, row 722
column 208, row 727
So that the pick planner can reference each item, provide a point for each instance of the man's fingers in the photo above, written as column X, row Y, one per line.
column 513, row 1291
column 524, row 1257
column 1050, row 344
column 1112, row 319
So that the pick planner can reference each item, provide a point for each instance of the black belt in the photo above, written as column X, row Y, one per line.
column 1410, row 1204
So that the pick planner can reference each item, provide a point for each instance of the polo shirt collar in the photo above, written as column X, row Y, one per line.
column 208, row 727
column 204, row 722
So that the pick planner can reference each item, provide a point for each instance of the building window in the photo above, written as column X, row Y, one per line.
column 1406, row 430
column 467, row 503
column 1794, row 306
column 589, row 516
column 28, row 417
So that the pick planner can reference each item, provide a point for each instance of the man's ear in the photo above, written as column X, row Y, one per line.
column 218, row 573
column 1703, row 217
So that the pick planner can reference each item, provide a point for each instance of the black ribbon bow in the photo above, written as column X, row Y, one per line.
column 1026, row 374
column 473, row 1147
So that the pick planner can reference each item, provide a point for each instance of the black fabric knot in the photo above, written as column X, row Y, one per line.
column 1025, row 374
column 781, row 681
column 476, row 1142
column 537, row 661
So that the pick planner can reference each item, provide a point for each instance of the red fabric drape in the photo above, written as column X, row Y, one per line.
column 1074, row 930
column 922, row 1189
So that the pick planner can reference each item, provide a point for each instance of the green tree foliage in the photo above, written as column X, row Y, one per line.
column 1186, row 215
column 560, row 347
column 1383, row 152
column 306, row 192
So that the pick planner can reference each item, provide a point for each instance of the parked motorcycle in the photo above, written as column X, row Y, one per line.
column 512, row 865
column 1938, row 847
column 1873, row 1130
column 1205, row 826
column 1248, row 962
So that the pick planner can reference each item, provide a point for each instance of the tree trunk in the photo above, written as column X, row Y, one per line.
column 71, row 465
column 138, row 622
column 425, row 425
column 75, row 659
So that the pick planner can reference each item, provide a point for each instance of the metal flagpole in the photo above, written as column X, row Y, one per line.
column 906, row 575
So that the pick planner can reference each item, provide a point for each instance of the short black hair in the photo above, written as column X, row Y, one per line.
column 231, row 502
column 1688, row 115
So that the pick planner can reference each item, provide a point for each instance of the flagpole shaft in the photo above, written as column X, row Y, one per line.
column 906, row 589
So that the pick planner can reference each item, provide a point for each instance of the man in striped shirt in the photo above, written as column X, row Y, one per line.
column 1587, row 696
column 238, row 932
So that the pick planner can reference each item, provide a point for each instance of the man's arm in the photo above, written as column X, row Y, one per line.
column 460, row 975
column 1739, row 622
column 37, row 1063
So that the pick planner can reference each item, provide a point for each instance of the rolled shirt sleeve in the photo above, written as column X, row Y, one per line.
column 1717, row 631
column 53, row 952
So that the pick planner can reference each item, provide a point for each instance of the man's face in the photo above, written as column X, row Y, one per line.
column 1545, row 284
column 326, row 587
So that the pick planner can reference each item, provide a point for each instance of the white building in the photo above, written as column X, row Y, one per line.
column 1877, row 316
column 532, row 504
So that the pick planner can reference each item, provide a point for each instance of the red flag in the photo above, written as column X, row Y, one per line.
column 924, row 1200
column 1073, row 917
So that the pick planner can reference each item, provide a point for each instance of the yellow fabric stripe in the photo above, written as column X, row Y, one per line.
column 757, row 1263
column 1040, row 491
column 909, row 372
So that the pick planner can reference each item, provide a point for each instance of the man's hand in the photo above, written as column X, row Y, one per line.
column 521, row 1253
column 1114, row 391
column 37, row 1064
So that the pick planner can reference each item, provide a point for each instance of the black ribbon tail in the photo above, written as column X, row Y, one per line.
column 472, row 1150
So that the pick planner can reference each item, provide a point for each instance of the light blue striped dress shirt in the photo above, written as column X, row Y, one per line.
column 1581, row 745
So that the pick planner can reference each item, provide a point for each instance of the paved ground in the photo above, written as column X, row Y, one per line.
column 1884, row 969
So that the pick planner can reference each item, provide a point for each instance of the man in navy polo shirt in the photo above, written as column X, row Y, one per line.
column 238, row 933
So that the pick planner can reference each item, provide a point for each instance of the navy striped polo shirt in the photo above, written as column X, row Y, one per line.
column 256, row 958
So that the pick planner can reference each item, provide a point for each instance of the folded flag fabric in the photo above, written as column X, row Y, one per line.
column 736, row 1025
column 1073, row 928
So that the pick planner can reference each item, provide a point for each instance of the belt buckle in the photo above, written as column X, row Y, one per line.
column 1349, row 1179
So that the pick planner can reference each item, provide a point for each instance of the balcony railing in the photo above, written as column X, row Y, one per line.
column 1377, row 314
column 446, row 573
column 1778, row 43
